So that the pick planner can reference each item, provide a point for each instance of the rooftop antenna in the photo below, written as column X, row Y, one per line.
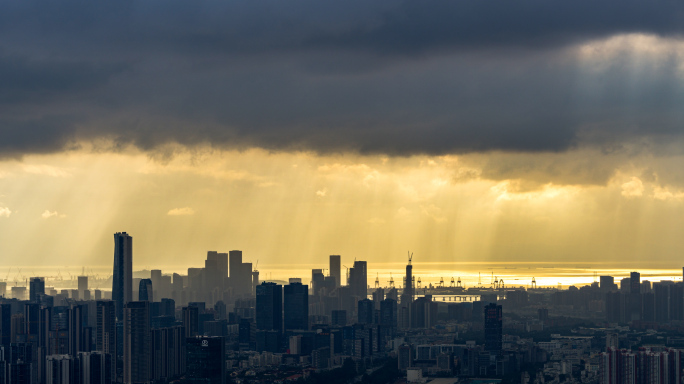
column 534, row 283
column 391, row 281
column 410, row 257
column 377, row 280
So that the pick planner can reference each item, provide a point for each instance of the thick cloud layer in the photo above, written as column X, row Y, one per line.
column 394, row 77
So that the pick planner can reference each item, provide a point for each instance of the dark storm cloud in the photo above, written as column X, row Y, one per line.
column 394, row 77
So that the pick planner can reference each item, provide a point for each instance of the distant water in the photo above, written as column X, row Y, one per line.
column 471, row 274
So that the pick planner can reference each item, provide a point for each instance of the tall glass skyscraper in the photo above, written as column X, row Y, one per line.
column 122, row 284
column 296, row 306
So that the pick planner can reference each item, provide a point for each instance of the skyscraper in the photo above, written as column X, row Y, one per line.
column 206, row 360
column 191, row 320
column 296, row 306
column 335, row 269
column 365, row 311
column 105, row 333
column 269, row 307
column 36, row 288
column 82, row 284
column 136, row 340
column 122, row 282
column 145, row 292
column 493, row 328
column 358, row 279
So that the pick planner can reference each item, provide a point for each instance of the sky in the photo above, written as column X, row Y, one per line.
column 536, row 131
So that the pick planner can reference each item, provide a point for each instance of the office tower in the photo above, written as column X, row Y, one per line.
column 82, row 283
column 493, row 328
column 168, row 353
column 235, row 268
column 365, row 311
column 31, row 320
column 122, row 280
column 378, row 297
column 36, row 288
column 105, row 331
column 95, row 368
column 246, row 285
column 317, row 279
column 296, row 309
column 191, row 321
column 247, row 334
column 625, row 285
column 635, row 283
column 405, row 356
column 75, row 327
column 206, row 360
column 648, row 306
column 145, row 290
column 339, row 317
column 423, row 312
column 677, row 301
column 335, row 271
column 269, row 307
column 358, row 279
column 615, row 307
column 607, row 283
column 388, row 313
column 136, row 342
column 61, row 369
column 662, row 302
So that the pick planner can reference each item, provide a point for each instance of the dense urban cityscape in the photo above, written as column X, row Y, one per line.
column 222, row 324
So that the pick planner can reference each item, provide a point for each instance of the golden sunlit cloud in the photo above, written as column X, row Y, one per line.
column 4, row 211
column 185, row 211
column 47, row 214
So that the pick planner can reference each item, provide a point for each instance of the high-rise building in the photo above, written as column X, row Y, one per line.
column 105, row 331
column 206, row 360
column 5, row 324
column 317, row 280
column 607, row 283
column 145, row 290
column 82, row 283
column 61, row 369
column 335, row 271
column 339, row 317
column 36, row 288
column 269, row 307
column 635, row 283
column 122, row 281
column 296, row 309
column 493, row 328
column 136, row 342
column 388, row 313
column 191, row 321
column 365, row 311
column 358, row 279
column 95, row 367
column 75, row 315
